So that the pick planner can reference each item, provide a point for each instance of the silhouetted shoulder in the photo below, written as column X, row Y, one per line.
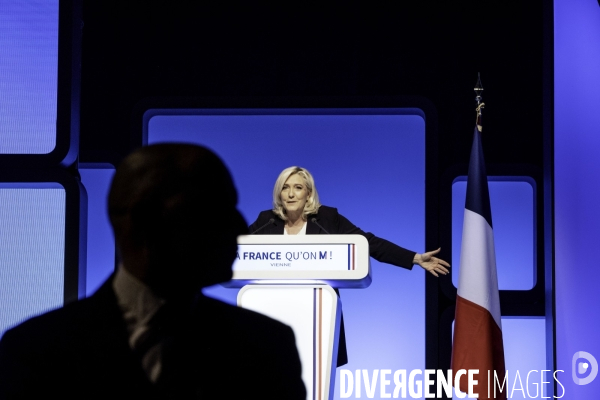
column 256, row 328
column 69, row 351
column 54, row 330
column 258, row 352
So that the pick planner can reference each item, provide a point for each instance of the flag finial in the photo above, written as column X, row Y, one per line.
column 479, row 99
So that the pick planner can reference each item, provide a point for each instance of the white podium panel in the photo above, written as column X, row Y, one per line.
column 314, row 313
column 335, row 260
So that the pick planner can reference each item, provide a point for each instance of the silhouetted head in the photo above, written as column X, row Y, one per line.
column 173, row 211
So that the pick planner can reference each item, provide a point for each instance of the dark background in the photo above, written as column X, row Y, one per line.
column 134, row 50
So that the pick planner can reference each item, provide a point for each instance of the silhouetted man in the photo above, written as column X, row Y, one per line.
column 148, row 332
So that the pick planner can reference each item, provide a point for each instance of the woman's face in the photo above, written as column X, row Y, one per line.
column 294, row 194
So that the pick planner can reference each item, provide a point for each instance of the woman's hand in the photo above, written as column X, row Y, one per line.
column 432, row 264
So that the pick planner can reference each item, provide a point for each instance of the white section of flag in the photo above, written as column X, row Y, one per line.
column 478, row 280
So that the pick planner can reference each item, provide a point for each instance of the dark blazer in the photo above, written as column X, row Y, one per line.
column 81, row 351
column 333, row 222
column 328, row 221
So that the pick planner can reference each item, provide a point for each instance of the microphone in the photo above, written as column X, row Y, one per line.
column 264, row 226
column 314, row 221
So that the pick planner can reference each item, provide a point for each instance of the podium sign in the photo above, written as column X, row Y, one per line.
column 297, row 257
column 336, row 260
column 289, row 277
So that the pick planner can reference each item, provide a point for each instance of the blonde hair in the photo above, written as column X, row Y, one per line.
column 312, row 202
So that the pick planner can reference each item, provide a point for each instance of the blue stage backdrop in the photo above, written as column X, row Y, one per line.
column 101, row 244
column 28, row 76
column 513, row 218
column 372, row 168
column 577, row 193
column 32, row 256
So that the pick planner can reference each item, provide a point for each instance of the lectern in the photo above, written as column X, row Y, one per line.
column 291, row 279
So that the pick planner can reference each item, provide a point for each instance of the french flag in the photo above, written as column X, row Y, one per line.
column 477, row 326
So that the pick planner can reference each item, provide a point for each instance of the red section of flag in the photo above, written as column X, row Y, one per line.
column 478, row 345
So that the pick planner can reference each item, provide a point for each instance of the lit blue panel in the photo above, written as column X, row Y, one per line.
column 32, row 245
column 372, row 168
column 513, row 219
column 576, row 191
column 525, row 353
column 100, row 240
column 28, row 76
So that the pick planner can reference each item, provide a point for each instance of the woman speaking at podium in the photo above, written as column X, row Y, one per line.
column 297, row 211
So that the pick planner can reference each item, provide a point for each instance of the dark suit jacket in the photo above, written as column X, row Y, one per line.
column 81, row 351
column 332, row 222
column 335, row 223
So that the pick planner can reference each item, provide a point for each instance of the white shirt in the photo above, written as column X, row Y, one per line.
column 301, row 232
column 138, row 305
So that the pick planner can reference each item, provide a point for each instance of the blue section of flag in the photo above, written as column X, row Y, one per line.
column 478, row 196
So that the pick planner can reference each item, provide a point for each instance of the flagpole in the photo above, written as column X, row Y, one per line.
column 477, row 343
column 480, row 104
